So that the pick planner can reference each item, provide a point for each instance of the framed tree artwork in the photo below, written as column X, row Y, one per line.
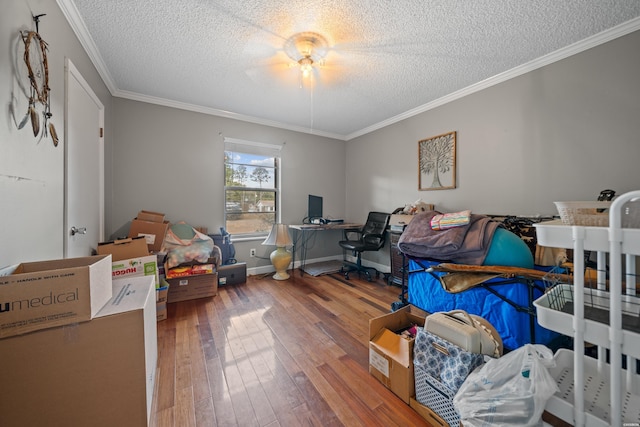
column 437, row 162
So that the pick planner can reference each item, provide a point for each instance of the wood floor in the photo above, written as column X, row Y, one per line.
column 276, row 353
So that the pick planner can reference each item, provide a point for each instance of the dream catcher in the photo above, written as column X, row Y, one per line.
column 35, row 59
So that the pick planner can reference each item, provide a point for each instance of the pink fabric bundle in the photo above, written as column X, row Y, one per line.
column 450, row 220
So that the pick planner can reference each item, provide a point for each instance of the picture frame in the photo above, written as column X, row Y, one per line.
column 437, row 162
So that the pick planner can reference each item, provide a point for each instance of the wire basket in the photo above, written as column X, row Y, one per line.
column 593, row 214
column 557, row 295
column 555, row 309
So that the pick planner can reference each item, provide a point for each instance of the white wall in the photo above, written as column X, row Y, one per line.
column 31, row 170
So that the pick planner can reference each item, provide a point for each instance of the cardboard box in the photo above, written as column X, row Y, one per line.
column 131, row 247
column 161, row 311
column 431, row 417
column 98, row 373
column 232, row 274
column 162, row 292
column 192, row 287
column 390, row 355
column 150, row 216
column 153, row 232
column 135, row 267
column 45, row 294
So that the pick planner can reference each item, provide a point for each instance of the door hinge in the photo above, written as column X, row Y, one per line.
column 101, row 132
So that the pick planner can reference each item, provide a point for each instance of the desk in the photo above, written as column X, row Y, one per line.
column 303, row 232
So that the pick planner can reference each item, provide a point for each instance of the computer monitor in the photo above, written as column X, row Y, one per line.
column 315, row 207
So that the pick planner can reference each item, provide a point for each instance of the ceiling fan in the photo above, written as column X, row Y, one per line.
column 308, row 49
column 303, row 56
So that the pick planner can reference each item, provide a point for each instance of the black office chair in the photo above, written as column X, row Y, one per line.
column 370, row 237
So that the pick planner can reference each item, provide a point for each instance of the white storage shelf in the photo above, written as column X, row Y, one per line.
column 550, row 315
column 596, row 392
column 557, row 235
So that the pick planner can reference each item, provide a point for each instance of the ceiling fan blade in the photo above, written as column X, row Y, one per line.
column 269, row 72
column 260, row 49
column 333, row 75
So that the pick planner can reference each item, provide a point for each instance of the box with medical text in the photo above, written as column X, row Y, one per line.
column 391, row 350
column 45, row 294
column 99, row 373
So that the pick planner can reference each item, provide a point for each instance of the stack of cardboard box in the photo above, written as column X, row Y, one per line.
column 131, row 258
column 76, row 347
column 184, row 282
column 152, row 226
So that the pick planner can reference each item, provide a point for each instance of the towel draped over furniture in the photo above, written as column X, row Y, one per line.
column 504, row 298
column 466, row 244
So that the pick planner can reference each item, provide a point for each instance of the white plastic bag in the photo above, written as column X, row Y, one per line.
column 509, row 391
column 183, row 243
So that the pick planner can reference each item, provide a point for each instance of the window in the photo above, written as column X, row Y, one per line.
column 251, row 186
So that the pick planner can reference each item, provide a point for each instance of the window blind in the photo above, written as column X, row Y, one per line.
column 252, row 147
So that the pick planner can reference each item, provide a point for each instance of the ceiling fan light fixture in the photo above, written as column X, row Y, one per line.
column 306, row 65
column 307, row 48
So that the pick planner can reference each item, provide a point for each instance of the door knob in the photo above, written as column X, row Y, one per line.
column 78, row 230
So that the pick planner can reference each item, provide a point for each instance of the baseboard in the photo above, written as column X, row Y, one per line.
column 382, row 268
column 264, row 269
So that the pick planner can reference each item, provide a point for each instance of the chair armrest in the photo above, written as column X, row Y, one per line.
column 372, row 237
column 378, row 235
column 349, row 232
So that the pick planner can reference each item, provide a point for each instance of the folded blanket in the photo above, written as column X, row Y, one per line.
column 466, row 244
column 450, row 220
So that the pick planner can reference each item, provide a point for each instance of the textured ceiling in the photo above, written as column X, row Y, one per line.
column 387, row 60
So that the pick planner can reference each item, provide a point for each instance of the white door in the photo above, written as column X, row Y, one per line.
column 84, row 166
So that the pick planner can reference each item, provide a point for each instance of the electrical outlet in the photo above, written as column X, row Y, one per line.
column 252, row 252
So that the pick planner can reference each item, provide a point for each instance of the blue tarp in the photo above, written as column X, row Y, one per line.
column 426, row 292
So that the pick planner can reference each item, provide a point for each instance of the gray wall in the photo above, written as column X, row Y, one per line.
column 32, row 170
column 563, row 132
column 172, row 161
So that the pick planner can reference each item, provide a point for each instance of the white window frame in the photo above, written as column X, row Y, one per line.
column 257, row 148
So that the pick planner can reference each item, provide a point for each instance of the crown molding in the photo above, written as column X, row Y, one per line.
column 77, row 24
column 134, row 96
column 573, row 49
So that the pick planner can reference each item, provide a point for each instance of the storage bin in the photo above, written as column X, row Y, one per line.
column 436, row 396
column 584, row 213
